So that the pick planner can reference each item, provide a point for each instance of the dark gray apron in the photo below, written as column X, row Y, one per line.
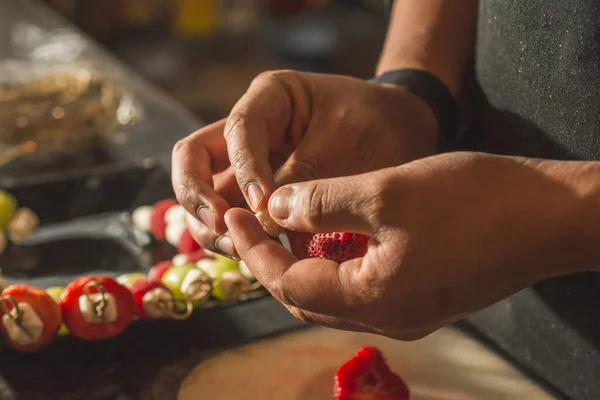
column 537, row 94
column 538, row 74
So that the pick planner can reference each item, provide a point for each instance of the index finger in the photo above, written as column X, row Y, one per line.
column 258, row 122
column 315, row 285
column 195, row 160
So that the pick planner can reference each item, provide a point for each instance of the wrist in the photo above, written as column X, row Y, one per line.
column 435, row 94
column 416, row 123
column 574, row 243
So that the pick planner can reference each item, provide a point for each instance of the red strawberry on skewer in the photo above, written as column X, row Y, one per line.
column 156, row 273
column 158, row 223
column 30, row 317
column 96, row 307
column 366, row 376
column 187, row 244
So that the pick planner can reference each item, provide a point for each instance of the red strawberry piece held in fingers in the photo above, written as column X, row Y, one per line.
column 156, row 273
column 154, row 300
column 96, row 307
column 335, row 246
column 30, row 317
column 366, row 376
column 187, row 244
column 158, row 225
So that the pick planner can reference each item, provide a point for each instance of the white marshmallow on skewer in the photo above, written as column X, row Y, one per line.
column 141, row 217
column 180, row 259
column 175, row 215
column 173, row 233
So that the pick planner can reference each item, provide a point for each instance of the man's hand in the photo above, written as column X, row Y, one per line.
column 451, row 234
column 291, row 127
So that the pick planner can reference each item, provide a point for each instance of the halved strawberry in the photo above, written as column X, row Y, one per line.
column 187, row 244
column 30, row 317
column 335, row 246
column 366, row 376
column 156, row 273
column 96, row 307
column 158, row 224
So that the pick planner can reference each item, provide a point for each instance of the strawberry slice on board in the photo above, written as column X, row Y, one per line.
column 366, row 376
column 30, row 317
column 96, row 307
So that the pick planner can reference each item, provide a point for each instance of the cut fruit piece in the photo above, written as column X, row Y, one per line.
column 335, row 246
column 96, row 307
column 30, row 317
column 154, row 300
column 366, row 376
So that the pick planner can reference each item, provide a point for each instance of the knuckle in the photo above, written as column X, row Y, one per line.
column 242, row 166
column 312, row 206
column 383, row 193
column 237, row 123
column 305, row 171
column 271, row 76
column 181, row 146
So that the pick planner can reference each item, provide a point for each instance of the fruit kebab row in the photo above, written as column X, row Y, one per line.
column 100, row 307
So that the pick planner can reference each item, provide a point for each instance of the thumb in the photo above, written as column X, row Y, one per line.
column 327, row 205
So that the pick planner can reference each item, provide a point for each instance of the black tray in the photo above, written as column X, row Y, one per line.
column 86, row 227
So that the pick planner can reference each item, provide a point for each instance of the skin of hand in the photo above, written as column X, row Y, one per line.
column 450, row 235
column 289, row 127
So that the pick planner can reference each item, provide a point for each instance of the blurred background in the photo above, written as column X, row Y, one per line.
column 204, row 53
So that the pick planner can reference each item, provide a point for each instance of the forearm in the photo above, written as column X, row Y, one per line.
column 573, row 245
column 435, row 35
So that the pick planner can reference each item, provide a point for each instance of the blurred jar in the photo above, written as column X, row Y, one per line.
column 194, row 18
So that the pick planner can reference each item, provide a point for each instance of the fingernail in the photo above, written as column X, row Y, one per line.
column 207, row 217
column 255, row 195
column 280, row 203
column 225, row 245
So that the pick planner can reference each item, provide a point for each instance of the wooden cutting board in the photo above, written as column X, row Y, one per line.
column 447, row 365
